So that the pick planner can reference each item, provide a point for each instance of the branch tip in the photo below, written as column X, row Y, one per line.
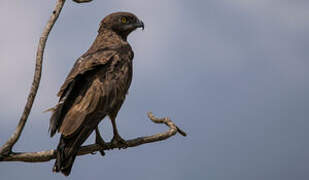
column 167, row 121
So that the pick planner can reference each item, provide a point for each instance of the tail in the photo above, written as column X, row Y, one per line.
column 64, row 160
column 67, row 150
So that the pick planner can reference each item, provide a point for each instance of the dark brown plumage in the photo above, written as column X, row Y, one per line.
column 96, row 87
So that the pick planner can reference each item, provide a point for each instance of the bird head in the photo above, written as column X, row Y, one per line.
column 123, row 23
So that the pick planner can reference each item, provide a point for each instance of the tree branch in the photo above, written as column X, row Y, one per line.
column 6, row 153
column 6, row 149
column 48, row 155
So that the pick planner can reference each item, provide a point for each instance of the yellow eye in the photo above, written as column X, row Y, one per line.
column 124, row 20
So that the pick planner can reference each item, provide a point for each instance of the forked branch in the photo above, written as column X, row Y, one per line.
column 6, row 153
column 6, row 149
column 48, row 155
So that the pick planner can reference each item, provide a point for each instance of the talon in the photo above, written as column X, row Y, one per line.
column 99, row 140
column 102, row 153
column 102, row 144
column 117, row 140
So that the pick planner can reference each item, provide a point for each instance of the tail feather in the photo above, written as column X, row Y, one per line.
column 67, row 150
column 60, row 109
column 54, row 120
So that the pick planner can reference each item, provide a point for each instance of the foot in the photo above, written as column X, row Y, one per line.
column 99, row 140
column 117, row 140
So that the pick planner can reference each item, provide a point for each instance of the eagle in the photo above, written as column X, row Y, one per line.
column 95, row 88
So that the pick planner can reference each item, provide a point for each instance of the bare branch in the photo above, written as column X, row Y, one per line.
column 82, row 1
column 44, row 156
column 6, row 153
column 6, row 149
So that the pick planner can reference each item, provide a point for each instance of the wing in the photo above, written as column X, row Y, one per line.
column 86, row 63
column 85, row 109
column 74, row 83
column 103, row 90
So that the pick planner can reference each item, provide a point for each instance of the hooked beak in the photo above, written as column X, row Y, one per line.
column 140, row 24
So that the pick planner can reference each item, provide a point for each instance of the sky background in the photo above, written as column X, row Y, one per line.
column 232, row 74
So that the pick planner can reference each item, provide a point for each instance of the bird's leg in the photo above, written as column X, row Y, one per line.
column 117, row 139
column 99, row 140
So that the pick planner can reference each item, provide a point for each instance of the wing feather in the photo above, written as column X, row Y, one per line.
column 79, row 112
column 74, row 85
column 86, row 63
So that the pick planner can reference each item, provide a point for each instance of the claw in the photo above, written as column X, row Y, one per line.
column 117, row 140
column 99, row 140
column 102, row 145
column 102, row 153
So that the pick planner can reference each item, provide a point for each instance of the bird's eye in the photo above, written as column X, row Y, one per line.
column 124, row 20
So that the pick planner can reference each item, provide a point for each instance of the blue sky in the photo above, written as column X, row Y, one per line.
column 232, row 74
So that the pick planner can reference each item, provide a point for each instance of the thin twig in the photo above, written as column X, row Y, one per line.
column 48, row 155
column 6, row 149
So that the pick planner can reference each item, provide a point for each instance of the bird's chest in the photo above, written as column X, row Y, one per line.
column 118, row 75
column 120, row 68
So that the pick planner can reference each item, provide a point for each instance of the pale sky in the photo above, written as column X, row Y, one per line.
column 232, row 74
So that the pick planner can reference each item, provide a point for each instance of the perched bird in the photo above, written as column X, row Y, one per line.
column 95, row 88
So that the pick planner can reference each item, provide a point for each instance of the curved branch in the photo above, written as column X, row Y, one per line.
column 6, row 149
column 44, row 156
column 6, row 153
